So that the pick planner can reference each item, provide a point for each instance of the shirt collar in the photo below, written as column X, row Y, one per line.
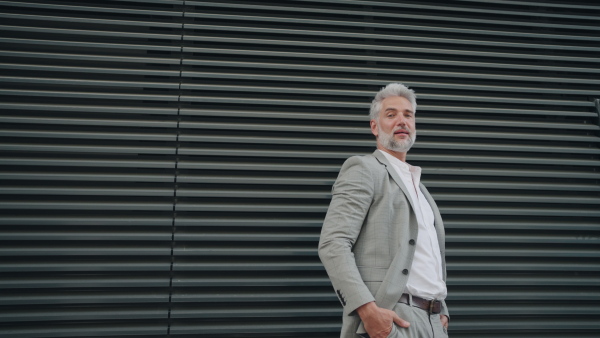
column 405, row 167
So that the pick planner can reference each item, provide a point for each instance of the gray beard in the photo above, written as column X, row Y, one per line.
column 389, row 142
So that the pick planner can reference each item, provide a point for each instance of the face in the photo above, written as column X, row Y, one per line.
column 395, row 127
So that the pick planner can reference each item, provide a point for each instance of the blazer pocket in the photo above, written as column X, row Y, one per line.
column 372, row 274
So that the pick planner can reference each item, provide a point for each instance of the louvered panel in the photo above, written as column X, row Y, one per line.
column 88, row 127
column 276, row 96
column 99, row 135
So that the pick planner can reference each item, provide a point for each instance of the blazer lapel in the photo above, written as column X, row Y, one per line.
column 390, row 169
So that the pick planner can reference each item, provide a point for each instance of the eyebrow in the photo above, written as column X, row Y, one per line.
column 394, row 109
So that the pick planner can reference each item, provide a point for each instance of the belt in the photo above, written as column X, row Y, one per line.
column 431, row 306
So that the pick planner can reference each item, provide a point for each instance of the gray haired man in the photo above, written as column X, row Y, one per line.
column 382, row 241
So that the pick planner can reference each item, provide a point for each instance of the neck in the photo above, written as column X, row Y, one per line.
column 399, row 155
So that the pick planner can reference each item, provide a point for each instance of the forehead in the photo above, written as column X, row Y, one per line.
column 398, row 103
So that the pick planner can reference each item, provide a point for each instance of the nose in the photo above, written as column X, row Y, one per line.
column 401, row 121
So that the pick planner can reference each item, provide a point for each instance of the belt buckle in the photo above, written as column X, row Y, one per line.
column 431, row 305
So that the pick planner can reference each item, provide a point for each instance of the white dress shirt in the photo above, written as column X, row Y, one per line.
column 426, row 278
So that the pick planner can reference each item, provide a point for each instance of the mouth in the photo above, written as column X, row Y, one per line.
column 401, row 132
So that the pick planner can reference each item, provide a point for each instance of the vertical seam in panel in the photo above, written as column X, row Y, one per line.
column 597, row 106
column 173, row 227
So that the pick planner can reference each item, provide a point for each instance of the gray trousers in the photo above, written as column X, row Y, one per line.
column 422, row 325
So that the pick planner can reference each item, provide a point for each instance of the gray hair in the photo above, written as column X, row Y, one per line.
column 392, row 89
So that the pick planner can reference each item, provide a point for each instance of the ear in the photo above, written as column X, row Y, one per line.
column 374, row 130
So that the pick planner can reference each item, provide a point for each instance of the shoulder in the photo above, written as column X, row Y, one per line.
column 363, row 165
column 365, row 160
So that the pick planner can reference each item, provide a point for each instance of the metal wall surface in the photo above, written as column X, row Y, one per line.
column 167, row 164
column 89, row 105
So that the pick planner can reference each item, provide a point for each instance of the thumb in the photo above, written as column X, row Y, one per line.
column 400, row 322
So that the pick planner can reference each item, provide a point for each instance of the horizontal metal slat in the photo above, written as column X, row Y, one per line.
column 380, row 47
column 89, row 235
column 256, row 328
column 125, row 122
column 88, row 135
column 526, row 326
column 67, row 314
column 363, row 117
column 84, row 44
column 235, row 50
column 261, row 297
column 356, row 93
column 537, row 211
column 89, row 32
column 249, row 237
column 71, row 205
column 273, row 311
column 89, row 108
column 92, row 220
column 83, row 162
column 249, row 267
column 32, row 18
column 299, row 20
column 527, row 280
column 88, row 95
column 509, row 172
column 235, row 251
column 211, row 165
column 288, row 33
column 360, row 34
column 186, row 178
column 521, row 309
column 573, row 225
column 131, row 296
column 84, row 57
column 530, row 295
column 530, row 267
column 62, row 330
column 547, row 186
column 489, row 146
column 364, row 129
column 271, row 222
column 89, row 250
column 462, row 9
column 520, row 198
column 242, row 282
column 116, row 84
column 84, row 267
column 94, row 9
column 277, row 208
column 414, row 158
column 350, row 105
column 95, row 177
column 116, row 149
column 84, row 191
column 495, row 122
column 566, row 238
column 527, row 3
column 413, row 84
column 83, row 282
column 183, row 178
column 90, row 70
column 314, row 195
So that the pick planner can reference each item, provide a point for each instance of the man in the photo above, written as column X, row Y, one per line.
column 382, row 241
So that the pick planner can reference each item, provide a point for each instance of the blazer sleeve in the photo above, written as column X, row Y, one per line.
column 352, row 195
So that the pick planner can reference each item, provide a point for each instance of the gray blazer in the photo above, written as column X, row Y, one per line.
column 368, row 237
